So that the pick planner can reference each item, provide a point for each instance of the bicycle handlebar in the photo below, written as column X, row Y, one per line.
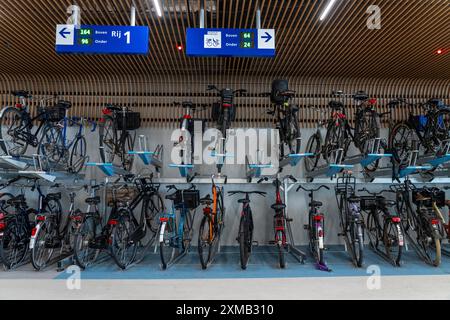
column 261, row 193
column 374, row 193
column 312, row 190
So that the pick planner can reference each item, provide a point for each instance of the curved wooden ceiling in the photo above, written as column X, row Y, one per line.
column 342, row 45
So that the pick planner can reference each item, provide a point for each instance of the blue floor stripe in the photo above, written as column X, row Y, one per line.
column 263, row 264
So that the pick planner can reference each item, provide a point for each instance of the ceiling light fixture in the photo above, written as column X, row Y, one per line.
column 327, row 10
column 440, row 51
column 157, row 7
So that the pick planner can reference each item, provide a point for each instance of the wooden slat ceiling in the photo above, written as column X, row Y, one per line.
column 342, row 45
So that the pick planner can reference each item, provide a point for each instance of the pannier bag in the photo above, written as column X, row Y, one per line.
column 439, row 197
column 277, row 87
column 132, row 120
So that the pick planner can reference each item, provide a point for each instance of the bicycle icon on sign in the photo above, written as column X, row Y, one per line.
column 213, row 41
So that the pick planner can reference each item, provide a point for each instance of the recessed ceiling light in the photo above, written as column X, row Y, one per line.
column 157, row 7
column 328, row 8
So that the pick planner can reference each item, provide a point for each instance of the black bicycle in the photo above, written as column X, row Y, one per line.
column 223, row 113
column 133, row 236
column 118, row 135
column 286, row 115
column 245, row 235
column 316, row 228
column 384, row 227
column 350, row 217
column 16, row 123
column 431, row 130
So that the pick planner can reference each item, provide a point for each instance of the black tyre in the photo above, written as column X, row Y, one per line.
column 43, row 248
column 366, row 131
column 51, row 148
column 122, row 248
column 127, row 145
column 401, row 142
column 14, row 244
column 84, row 254
column 167, row 242
column 108, row 139
column 281, row 253
column 334, row 140
column 357, row 243
column 204, row 242
column 245, row 239
column 11, row 124
column 313, row 146
column 372, row 230
column 78, row 155
column 392, row 239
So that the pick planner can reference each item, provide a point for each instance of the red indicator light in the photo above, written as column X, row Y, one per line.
column 180, row 47
column 439, row 51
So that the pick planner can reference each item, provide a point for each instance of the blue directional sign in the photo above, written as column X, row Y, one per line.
column 89, row 39
column 230, row 42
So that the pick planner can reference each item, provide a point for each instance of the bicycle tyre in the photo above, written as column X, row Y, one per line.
column 107, row 139
column 313, row 146
column 245, row 241
column 40, row 254
column 123, row 250
column 357, row 244
column 401, row 148
column 127, row 145
column 391, row 239
column 281, row 253
column 372, row 230
column 204, row 243
column 12, row 115
column 14, row 245
column 78, row 156
column 51, row 147
column 83, row 254
column 167, row 249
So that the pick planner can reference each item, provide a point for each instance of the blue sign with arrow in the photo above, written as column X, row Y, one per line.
column 202, row 42
column 91, row 39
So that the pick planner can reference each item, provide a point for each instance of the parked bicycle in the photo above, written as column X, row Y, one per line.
column 316, row 228
column 245, row 235
column 212, row 225
column 383, row 225
column 423, row 226
column 175, row 234
column 118, row 135
column 223, row 113
column 16, row 123
column 431, row 130
column 350, row 217
column 60, row 151
column 286, row 115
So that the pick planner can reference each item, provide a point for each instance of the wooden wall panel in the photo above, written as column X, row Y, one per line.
column 154, row 96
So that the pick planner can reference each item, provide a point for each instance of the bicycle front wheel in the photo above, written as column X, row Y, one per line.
column 13, row 133
column 393, row 241
column 313, row 146
column 167, row 242
column 51, row 147
column 78, row 155
column 127, row 145
column 108, row 139
column 280, row 246
column 357, row 244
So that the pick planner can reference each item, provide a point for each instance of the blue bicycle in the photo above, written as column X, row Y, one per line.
column 175, row 235
column 60, row 151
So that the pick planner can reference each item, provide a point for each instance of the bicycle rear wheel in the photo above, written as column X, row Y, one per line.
column 83, row 252
column 401, row 142
column 78, row 155
column 127, row 159
column 245, row 239
column 11, row 123
column 357, row 243
column 205, row 242
column 393, row 241
column 280, row 247
column 313, row 146
column 51, row 147
column 122, row 248
column 167, row 242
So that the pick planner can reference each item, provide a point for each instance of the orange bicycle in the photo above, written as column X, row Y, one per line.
column 211, row 226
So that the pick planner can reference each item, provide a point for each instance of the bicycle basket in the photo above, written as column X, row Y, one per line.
column 132, row 120
column 191, row 198
column 125, row 194
column 439, row 197
column 278, row 86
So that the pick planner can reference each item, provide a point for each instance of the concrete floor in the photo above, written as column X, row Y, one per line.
column 225, row 280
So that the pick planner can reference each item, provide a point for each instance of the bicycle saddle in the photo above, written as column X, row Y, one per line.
column 206, row 200
column 54, row 196
column 315, row 204
column 20, row 93
column 245, row 201
column 278, row 206
column 93, row 200
column 361, row 96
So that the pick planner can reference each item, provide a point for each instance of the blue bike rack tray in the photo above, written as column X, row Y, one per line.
column 412, row 170
column 108, row 168
column 372, row 157
column 256, row 169
column 334, row 169
column 185, row 169
column 436, row 162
